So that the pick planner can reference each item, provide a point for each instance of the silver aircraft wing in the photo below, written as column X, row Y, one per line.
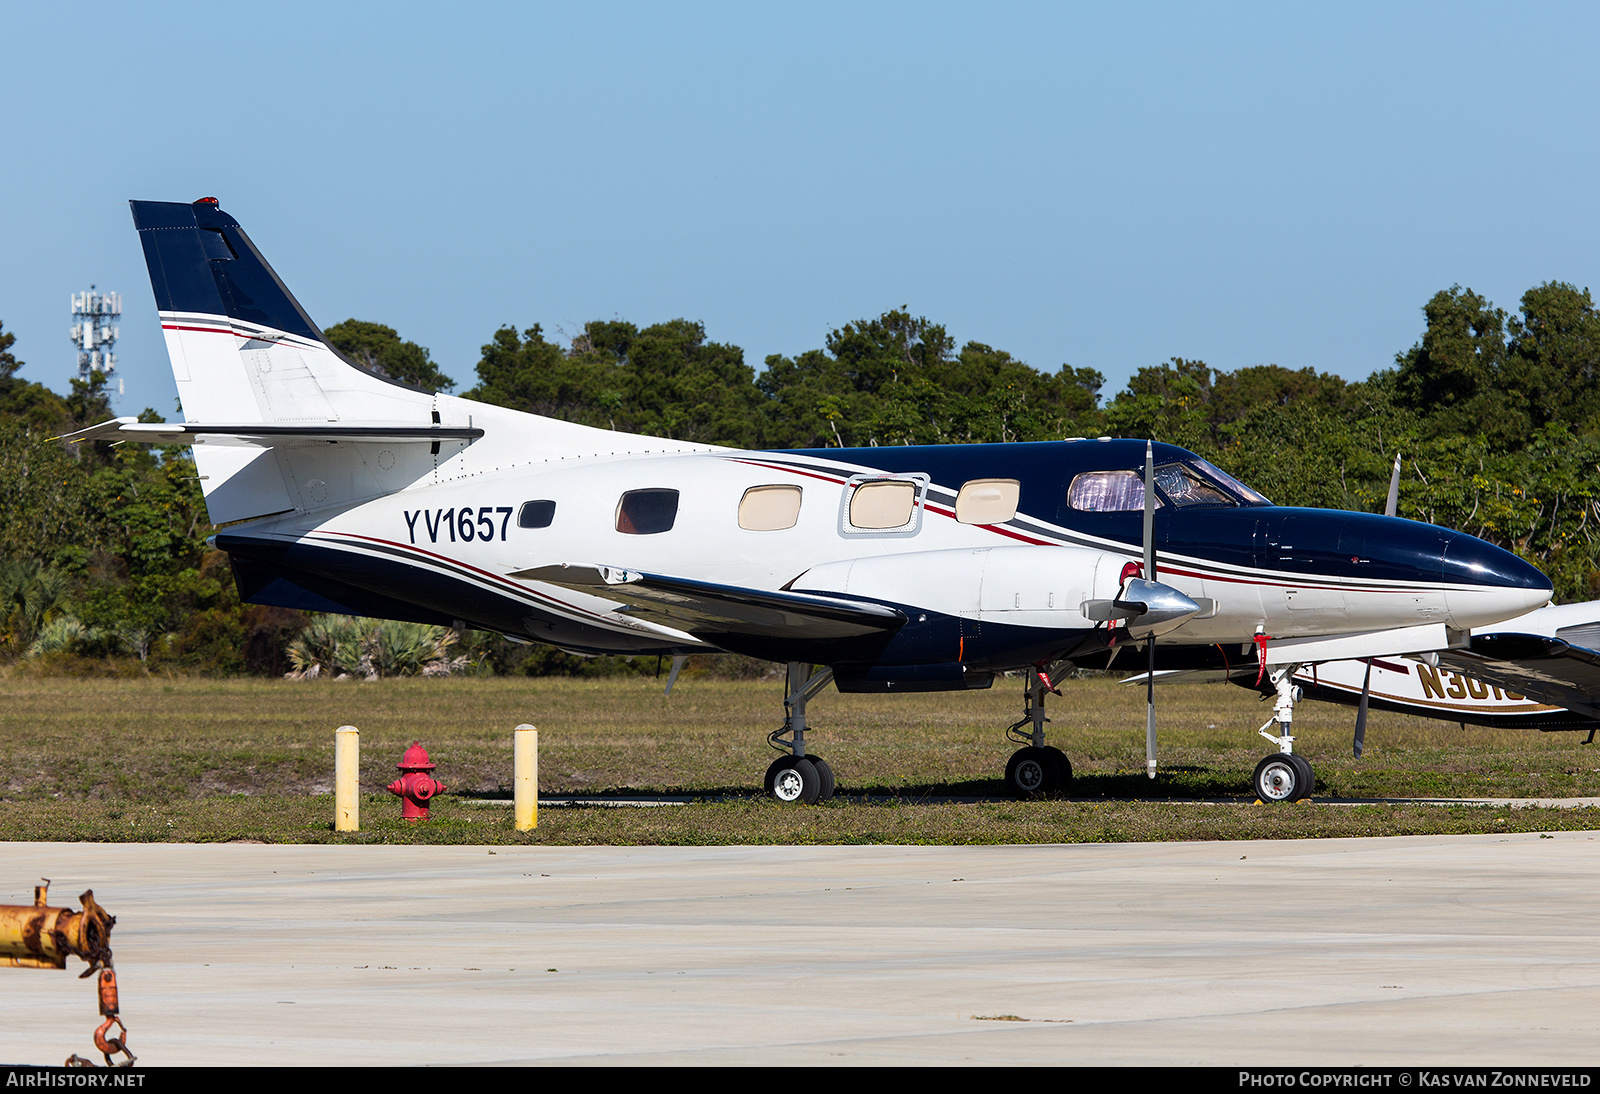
column 715, row 612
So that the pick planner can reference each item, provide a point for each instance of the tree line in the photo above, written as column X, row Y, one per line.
column 103, row 562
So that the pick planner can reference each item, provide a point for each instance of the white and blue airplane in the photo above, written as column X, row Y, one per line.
column 879, row 569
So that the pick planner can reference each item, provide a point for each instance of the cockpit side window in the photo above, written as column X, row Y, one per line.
column 1184, row 487
column 1108, row 492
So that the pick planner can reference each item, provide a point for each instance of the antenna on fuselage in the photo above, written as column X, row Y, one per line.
column 1391, row 507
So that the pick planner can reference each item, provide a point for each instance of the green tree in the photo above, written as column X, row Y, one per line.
column 380, row 349
column 30, row 406
column 665, row 380
column 897, row 379
column 1455, row 378
column 674, row 383
column 1168, row 402
column 1553, row 356
column 45, row 508
column 530, row 373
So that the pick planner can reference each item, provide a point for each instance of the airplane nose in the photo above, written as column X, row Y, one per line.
column 1489, row 584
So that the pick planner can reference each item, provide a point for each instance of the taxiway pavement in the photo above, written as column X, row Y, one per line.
column 1455, row 950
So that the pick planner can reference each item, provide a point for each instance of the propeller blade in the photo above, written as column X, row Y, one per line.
column 1149, row 511
column 677, row 667
column 1150, row 576
column 1391, row 508
column 1150, row 715
column 1361, row 713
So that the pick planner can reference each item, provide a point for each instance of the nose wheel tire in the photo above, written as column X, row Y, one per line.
column 1283, row 778
column 794, row 779
column 1034, row 772
column 1305, row 769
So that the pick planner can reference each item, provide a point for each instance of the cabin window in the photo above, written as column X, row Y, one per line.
column 769, row 508
column 883, row 505
column 1108, row 492
column 646, row 512
column 1184, row 487
column 536, row 514
column 988, row 501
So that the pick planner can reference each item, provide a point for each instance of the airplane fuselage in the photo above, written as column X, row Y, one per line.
column 982, row 595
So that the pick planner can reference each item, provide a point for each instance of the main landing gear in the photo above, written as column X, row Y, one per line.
column 1284, row 776
column 799, row 776
column 1037, row 769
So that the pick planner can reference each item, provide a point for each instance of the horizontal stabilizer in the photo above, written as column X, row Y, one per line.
column 1547, row 669
column 714, row 613
column 263, row 435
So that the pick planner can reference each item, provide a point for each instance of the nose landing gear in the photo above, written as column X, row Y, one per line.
column 1284, row 776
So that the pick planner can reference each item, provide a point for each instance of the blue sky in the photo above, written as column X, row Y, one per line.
column 1101, row 185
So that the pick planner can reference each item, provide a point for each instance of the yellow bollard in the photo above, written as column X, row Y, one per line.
column 347, row 779
column 525, row 777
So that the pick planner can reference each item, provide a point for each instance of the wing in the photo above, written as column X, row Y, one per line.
column 766, row 623
column 1548, row 669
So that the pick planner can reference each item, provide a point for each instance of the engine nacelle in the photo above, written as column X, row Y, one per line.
column 1023, row 586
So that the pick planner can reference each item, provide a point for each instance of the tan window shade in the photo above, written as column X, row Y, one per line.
column 883, row 504
column 988, row 501
column 769, row 508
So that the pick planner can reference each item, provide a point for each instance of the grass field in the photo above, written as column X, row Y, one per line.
column 197, row 759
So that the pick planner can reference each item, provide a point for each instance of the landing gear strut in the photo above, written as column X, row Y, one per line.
column 1037, row 769
column 1283, row 776
column 799, row 776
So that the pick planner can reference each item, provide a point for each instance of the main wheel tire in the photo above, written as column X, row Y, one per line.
column 1063, row 767
column 1032, row 772
column 824, row 778
column 1308, row 781
column 1279, row 778
column 793, row 779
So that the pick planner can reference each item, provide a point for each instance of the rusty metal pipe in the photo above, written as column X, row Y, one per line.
column 42, row 937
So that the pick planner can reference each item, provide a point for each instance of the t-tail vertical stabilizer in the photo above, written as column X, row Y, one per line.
column 280, row 421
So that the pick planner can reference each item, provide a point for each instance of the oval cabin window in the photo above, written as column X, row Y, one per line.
column 988, row 501
column 879, row 506
column 646, row 512
column 769, row 508
column 536, row 514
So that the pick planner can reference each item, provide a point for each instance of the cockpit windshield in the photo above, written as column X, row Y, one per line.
column 1191, row 483
column 1186, row 487
column 1229, row 483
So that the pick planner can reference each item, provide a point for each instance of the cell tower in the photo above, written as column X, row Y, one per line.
column 92, row 332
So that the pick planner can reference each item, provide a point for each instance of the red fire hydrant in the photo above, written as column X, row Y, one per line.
column 415, row 786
